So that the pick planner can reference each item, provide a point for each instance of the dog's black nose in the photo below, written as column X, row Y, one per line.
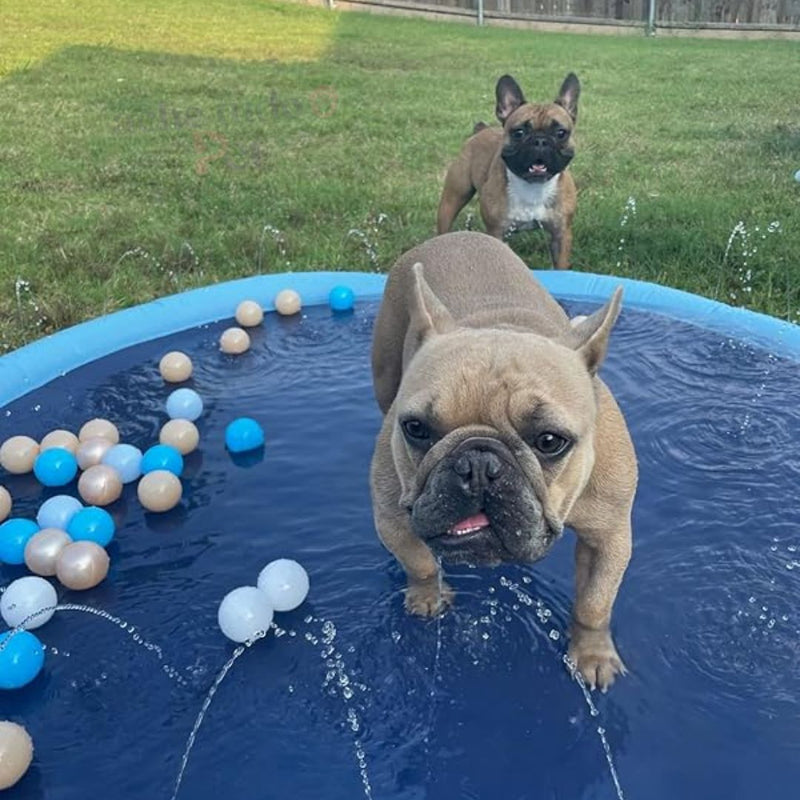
column 477, row 469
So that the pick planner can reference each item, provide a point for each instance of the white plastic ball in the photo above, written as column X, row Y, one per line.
column 24, row 598
column 285, row 583
column 243, row 613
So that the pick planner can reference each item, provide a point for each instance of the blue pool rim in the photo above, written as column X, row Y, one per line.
column 36, row 364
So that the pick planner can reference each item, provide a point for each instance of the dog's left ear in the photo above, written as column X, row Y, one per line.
column 428, row 316
column 589, row 337
column 569, row 94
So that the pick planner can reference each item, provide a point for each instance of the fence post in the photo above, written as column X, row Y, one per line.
column 651, row 18
column 480, row 12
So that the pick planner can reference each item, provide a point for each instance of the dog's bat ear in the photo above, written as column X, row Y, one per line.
column 589, row 337
column 509, row 98
column 568, row 95
column 428, row 315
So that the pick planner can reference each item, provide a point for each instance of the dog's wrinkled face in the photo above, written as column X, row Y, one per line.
column 538, row 142
column 493, row 439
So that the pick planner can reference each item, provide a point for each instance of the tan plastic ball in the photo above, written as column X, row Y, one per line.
column 66, row 440
column 5, row 503
column 234, row 341
column 100, row 485
column 175, row 367
column 16, row 753
column 159, row 490
column 287, row 302
column 99, row 427
column 91, row 452
column 43, row 549
column 180, row 434
column 17, row 454
column 249, row 314
column 82, row 565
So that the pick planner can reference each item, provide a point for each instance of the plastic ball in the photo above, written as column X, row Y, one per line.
column 184, row 404
column 43, row 549
column 243, row 434
column 162, row 456
column 66, row 440
column 99, row 428
column 90, row 452
column 243, row 613
column 126, row 460
column 14, row 535
column 341, row 298
column 159, row 490
column 5, row 503
column 180, row 434
column 249, row 314
column 234, row 341
column 797, row 176
column 287, row 302
column 56, row 512
column 16, row 753
column 285, row 583
column 92, row 524
column 100, row 485
column 55, row 467
column 18, row 454
column 175, row 367
column 21, row 659
column 28, row 602
column 82, row 565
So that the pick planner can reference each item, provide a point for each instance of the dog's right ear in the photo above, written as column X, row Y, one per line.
column 428, row 316
column 509, row 98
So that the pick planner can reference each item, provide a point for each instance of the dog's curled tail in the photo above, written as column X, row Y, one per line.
column 479, row 126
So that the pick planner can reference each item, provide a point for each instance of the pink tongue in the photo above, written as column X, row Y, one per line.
column 471, row 524
column 538, row 168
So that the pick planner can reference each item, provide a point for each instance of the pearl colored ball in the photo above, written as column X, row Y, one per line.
column 99, row 427
column 285, row 583
column 82, row 565
column 159, row 490
column 180, row 434
column 43, row 549
column 28, row 602
column 66, row 440
column 91, row 452
column 175, row 367
column 17, row 454
column 249, row 314
column 16, row 753
column 100, row 485
column 234, row 341
column 243, row 613
column 287, row 302
column 5, row 503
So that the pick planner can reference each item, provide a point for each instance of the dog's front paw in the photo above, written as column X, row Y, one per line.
column 429, row 598
column 593, row 654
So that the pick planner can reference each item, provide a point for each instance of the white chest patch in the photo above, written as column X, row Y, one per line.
column 529, row 203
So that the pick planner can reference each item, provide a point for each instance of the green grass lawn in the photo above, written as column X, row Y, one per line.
column 148, row 146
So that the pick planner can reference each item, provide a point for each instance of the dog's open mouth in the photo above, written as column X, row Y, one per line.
column 468, row 528
column 538, row 169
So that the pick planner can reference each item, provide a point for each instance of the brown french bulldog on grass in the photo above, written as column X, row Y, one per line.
column 498, row 433
column 520, row 170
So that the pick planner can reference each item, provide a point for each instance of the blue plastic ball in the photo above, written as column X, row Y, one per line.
column 14, row 535
column 341, row 298
column 55, row 467
column 126, row 460
column 162, row 456
column 184, row 404
column 21, row 658
column 92, row 524
column 243, row 434
column 58, row 511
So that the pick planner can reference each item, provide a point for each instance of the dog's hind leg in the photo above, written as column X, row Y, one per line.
column 458, row 191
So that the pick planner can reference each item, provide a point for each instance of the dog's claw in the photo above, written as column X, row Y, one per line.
column 429, row 598
column 598, row 662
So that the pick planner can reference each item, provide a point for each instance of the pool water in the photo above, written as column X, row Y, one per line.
column 355, row 699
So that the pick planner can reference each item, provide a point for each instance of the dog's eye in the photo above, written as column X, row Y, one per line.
column 551, row 444
column 518, row 133
column 562, row 134
column 416, row 430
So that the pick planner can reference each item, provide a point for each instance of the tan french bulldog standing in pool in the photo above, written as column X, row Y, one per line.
column 498, row 432
column 520, row 170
